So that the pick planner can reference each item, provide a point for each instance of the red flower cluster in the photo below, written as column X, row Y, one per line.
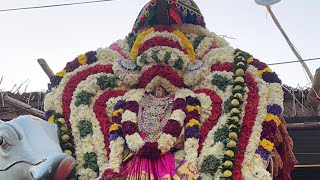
column 150, row 150
column 73, row 83
column 179, row 104
column 222, row 67
column 215, row 114
column 99, row 108
column 132, row 106
column 249, row 118
column 160, row 41
column 163, row 71
column 163, row 28
column 129, row 127
column 173, row 128
column 109, row 174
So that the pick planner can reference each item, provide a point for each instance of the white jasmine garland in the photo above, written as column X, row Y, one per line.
column 195, row 77
column 206, row 106
column 219, row 55
column 164, row 34
column 165, row 142
column 94, row 142
column 205, row 44
column 179, row 157
column 207, row 84
column 134, row 142
column 129, row 116
column 116, row 154
column 275, row 94
column 191, row 149
column 254, row 139
column 156, row 81
column 107, row 56
column 161, row 51
column 110, row 104
column 178, row 115
column 49, row 100
column 129, row 78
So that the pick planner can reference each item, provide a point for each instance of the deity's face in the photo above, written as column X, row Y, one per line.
column 160, row 92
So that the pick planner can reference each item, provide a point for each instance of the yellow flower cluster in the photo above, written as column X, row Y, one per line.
column 187, row 45
column 193, row 122
column 61, row 73
column 117, row 112
column 82, row 59
column 267, row 69
column 267, row 145
column 137, row 43
column 51, row 119
column 114, row 127
column 250, row 59
column 191, row 108
column 271, row 117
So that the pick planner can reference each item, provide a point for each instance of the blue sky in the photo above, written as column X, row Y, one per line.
column 60, row 34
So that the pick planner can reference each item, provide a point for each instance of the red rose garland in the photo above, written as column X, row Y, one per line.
column 222, row 67
column 247, row 124
column 215, row 114
column 99, row 109
column 163, row 71
column 160, row 41
column 73, row 83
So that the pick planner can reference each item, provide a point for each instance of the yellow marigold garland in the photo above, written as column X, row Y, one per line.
column 137, row 43
column 193, row 122
column 187, row 44
column 82, row 59
column 271, row 117
column 61, row 73
column 191, row 108
column 114, row 127
column 267, row 145
column 267, row 69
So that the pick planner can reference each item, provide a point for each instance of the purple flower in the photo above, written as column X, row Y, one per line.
column 71, row 66
column 91, row 57
column 271, row 77
column 192, row 101
column 263, row 153
column 48, row 114
column 113, row 137
column 259, row 65
column 120, row 104
column 274, row 109
column 55, row 80
column 193, row 132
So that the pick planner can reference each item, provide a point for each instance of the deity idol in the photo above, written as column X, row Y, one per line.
column 171, row 101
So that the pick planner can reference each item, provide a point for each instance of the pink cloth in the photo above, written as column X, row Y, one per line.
column 145, row 169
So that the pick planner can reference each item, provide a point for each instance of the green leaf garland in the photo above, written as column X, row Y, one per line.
column 84, row 98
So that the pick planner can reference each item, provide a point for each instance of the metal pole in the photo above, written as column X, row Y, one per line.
column 304, row 65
